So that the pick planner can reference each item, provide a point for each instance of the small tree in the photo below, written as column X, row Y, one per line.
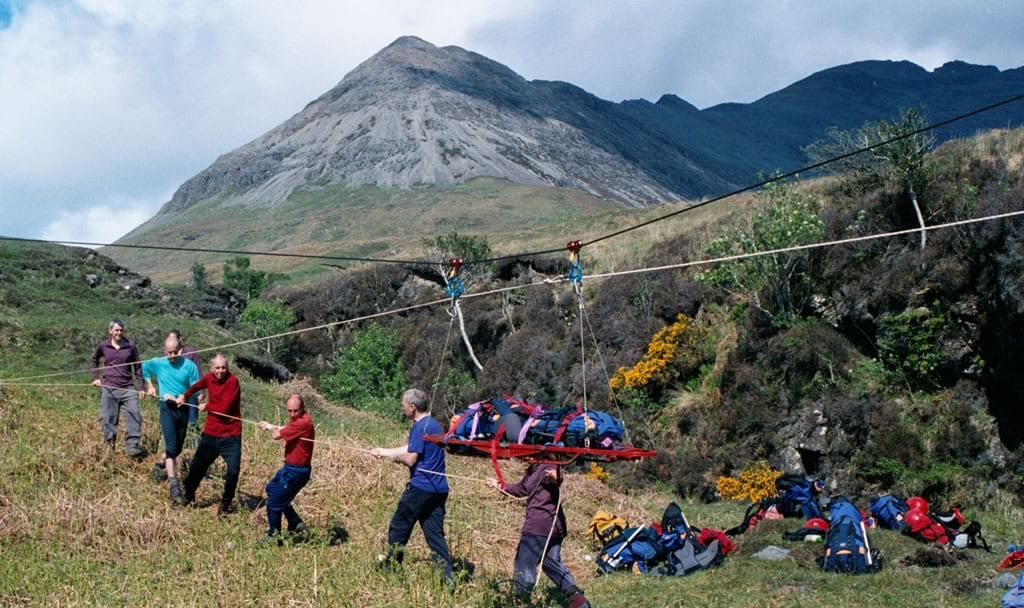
column 787, row 218
column 239, row 276
column 265, row 318
column 906, row 156
column 467, row 248
column 199, row 280
column 368, row 375
column 902, row 161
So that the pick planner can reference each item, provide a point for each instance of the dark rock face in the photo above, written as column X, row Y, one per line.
column 264, row 370
column 417, row 114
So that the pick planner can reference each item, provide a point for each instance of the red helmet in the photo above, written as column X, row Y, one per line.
column 916, row 503
column 816, row 523
column 916, row 520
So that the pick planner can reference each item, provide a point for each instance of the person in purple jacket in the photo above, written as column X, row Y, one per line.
column 120, row 379
column 543, row 526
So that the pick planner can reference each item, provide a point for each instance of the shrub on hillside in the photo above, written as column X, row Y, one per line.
column 910, row 345
column 777, row 284
column 368, row 374
column 807, row 358
column 263, row 318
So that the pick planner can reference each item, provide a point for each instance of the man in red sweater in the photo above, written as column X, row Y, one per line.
column 222, row 434
column 298, row 436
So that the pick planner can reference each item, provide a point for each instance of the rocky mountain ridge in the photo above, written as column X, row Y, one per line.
column 416, row 114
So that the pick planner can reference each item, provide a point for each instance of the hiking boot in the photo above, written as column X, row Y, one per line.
column 159, row 473
column 176, row 492
column 298, row 528
column 186, row 497
column 578, row 600
column 223, row 511
column 134, row 451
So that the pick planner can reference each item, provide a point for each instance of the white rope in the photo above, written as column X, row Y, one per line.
column 607, row 378
column 554, row 522
column 583, row 366
column 856, row 239
column 563, row 279
column 242, row 342
column 440, row 365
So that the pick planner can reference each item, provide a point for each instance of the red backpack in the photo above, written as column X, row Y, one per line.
column 922, row 527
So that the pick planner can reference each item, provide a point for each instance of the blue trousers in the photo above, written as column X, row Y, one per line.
column 427, row 508
column 281, row 491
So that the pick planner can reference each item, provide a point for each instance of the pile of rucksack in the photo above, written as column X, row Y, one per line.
column 913, row 518
column 669, row 548
column 844, row 532
column 795, row 496
column 532, row 423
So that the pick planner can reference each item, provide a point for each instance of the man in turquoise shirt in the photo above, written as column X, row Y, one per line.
column 174, row 374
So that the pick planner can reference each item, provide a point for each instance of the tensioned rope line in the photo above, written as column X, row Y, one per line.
column 276, row 254
column 846, row 241
column 765, row 182
column 327, row 442
column 607, row 377
column 240, row 343
column 808, row 168
column 563, row 279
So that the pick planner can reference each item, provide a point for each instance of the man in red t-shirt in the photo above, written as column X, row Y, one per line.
column 222, row 433
column 298, row 436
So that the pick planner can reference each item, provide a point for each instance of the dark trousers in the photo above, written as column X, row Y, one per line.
column 528, row 557
column 172, row 425
column 193, row 412
column 427, row 508
column 281, row 491
column 209, row 448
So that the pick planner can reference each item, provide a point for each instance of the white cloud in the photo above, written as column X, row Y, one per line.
column 100, row 225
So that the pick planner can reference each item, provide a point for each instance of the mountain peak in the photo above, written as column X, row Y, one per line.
column 415, row 113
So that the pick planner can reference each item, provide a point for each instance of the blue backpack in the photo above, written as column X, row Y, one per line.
column 571, row 427
column 846, row 545
column 798, row 496
column 1014, row 598
column 635, row 548
column 603, row 429
column 888, row 511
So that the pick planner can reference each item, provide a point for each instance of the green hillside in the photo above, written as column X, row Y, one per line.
column 83, row 526
column 376, row 222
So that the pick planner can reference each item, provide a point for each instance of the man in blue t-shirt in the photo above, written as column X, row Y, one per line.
column 427, row 491
column 174, row 374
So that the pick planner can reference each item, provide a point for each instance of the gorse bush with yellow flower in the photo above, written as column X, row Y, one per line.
column 597, row 473
column 754, row 483
column 661, row 351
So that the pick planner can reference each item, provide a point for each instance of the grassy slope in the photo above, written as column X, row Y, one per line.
column 382, row 222
column 80, row 526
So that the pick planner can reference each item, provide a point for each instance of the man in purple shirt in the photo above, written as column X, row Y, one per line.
column 120, row 378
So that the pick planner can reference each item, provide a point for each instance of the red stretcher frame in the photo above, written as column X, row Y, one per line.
column 535, row 453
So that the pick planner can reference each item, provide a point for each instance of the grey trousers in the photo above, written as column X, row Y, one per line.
column 528, row 558
column 112, row 402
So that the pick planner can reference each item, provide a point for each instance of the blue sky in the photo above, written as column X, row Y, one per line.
column 109, row 105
